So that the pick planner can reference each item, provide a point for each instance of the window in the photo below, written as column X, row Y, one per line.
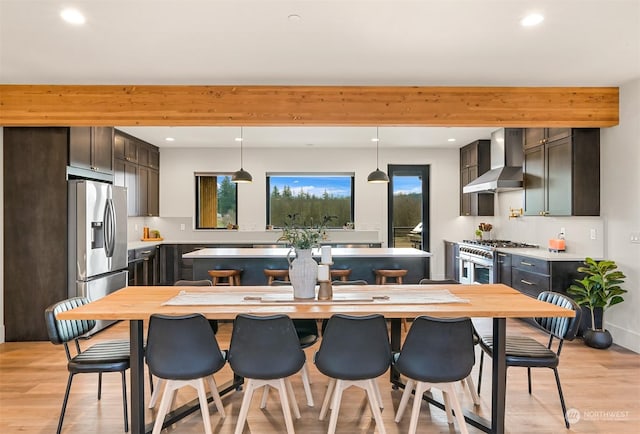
column 216, row 201
column 311, row 196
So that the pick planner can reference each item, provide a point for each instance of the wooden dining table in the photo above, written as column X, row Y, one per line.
column 497, row 301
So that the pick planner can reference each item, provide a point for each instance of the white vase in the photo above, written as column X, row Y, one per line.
column 303, row 273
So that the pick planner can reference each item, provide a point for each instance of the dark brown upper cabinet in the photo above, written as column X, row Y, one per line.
column 475, row 159
column 562, row 174
column 91, row 148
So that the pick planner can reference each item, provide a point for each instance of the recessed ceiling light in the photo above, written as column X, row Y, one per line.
column 451, row 140
column 72, row 16
column 375, row 139
column 238, row 139
column 294, row 17
column 531, row 20
column 169, row 139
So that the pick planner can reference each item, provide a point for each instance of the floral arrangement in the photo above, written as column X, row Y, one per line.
column 305, row 236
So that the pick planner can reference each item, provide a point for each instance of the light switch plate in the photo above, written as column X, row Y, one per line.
column 635, row 237
column 593, row 234
column 182, row 226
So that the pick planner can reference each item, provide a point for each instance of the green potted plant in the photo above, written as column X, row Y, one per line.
column 598, row 290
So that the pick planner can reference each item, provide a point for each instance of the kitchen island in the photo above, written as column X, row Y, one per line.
column 361, row 261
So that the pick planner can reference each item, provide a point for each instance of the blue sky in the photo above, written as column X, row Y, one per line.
column 316, row 185
column 406, row 184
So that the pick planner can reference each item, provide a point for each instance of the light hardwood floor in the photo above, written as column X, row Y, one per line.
column 602, row 386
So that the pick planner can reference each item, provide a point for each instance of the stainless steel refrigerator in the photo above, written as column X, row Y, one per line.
column 97, row 240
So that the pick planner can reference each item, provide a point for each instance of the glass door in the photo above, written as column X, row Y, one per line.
column 408, row 213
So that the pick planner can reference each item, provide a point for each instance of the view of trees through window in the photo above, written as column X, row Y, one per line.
column 216, row 201
column 311, row 197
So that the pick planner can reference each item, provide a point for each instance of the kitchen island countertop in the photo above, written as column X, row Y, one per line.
column 257, row 252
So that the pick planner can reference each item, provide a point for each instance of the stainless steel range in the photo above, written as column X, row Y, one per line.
column 478, row 259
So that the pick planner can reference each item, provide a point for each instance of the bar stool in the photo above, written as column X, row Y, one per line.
column 273, row 274
column 382, row 275
column 340, row 274
column 232, row 277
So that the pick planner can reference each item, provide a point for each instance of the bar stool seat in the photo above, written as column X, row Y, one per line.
column 276, row 274
column 382, row 275
column 340, row 274
column 230, row 276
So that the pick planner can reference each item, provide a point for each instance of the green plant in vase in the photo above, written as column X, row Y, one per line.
column 597, row 291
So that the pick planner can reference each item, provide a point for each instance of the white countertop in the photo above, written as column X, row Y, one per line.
column 282, row 252
column 545, row 254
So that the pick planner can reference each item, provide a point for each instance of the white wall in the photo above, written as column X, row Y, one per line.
column 177, row 199
column 620, row 162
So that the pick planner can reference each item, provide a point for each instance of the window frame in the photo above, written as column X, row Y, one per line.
column 196, row 222
column 350, row 175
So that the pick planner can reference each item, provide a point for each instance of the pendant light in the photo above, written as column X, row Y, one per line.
column 377, row 176
column 241, row 176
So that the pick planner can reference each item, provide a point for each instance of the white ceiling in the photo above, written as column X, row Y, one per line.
column 335, row 42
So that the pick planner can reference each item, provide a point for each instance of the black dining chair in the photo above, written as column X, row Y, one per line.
column 354, row 352
column 183, row 351
column 527, row 352
column 437, row 352
column 307, row 331
column 266, row 352
column 155, row 391
column 109, row 356
column 467, row 383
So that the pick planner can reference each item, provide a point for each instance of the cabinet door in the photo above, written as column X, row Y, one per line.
column 465, row 198
column 558, row 159
column 451, row 260
column 80, row 147
column 143, row 154
column 153, row 193
column 533, row 171
column 554, row 134
column 102, row 149
column 534, row 137
column 125, row 148
column 154, row 158
column 125, row 175
column 504, row 268
column 143, row 191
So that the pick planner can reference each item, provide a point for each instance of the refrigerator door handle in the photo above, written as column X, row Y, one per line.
column 109, row 228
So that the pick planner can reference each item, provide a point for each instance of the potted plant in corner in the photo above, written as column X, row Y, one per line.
column 597, row 291
column 303, row 269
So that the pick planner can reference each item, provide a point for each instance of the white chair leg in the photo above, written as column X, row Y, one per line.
column 244, row 408
column 216, row 396
column 335, row 409
column 306, row 384
column 204, row 405
column 417, row 402
column 405, row 399
column 292, row 397
column 462, row 424
column 288, row 421
column 376, row 388
column 165, row 403
column 472, row 390
column 374, row 403
column 327, row 398
column 265, row 396
column 156, row 393
column 447, row 406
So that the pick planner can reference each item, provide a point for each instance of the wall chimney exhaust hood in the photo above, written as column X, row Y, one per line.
column 507, row 156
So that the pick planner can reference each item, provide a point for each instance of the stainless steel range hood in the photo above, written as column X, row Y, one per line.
column 506, row 164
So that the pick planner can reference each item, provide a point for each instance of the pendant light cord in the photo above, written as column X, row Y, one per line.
column 241, row 145
column 377, row 149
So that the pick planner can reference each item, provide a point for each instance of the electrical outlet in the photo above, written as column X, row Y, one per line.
column 593, row 234
column 182, row 227
column 635, row 237
column 135, row 227
column 562, row 232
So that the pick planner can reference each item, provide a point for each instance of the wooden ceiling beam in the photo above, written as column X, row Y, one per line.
column 160, row 105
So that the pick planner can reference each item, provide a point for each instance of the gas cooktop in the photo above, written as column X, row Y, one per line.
column 498, row 243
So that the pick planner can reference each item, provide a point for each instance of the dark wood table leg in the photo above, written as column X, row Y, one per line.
column 499, row 377
column 137, row 376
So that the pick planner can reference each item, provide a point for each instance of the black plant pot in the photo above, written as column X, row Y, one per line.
column 600, row 339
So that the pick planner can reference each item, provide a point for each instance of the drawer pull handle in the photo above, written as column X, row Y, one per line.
column 526, row 282
column 526, row 263
column 503, row 255
column 146, row 252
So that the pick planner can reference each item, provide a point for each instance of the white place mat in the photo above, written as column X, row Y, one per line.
column 185, row 298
